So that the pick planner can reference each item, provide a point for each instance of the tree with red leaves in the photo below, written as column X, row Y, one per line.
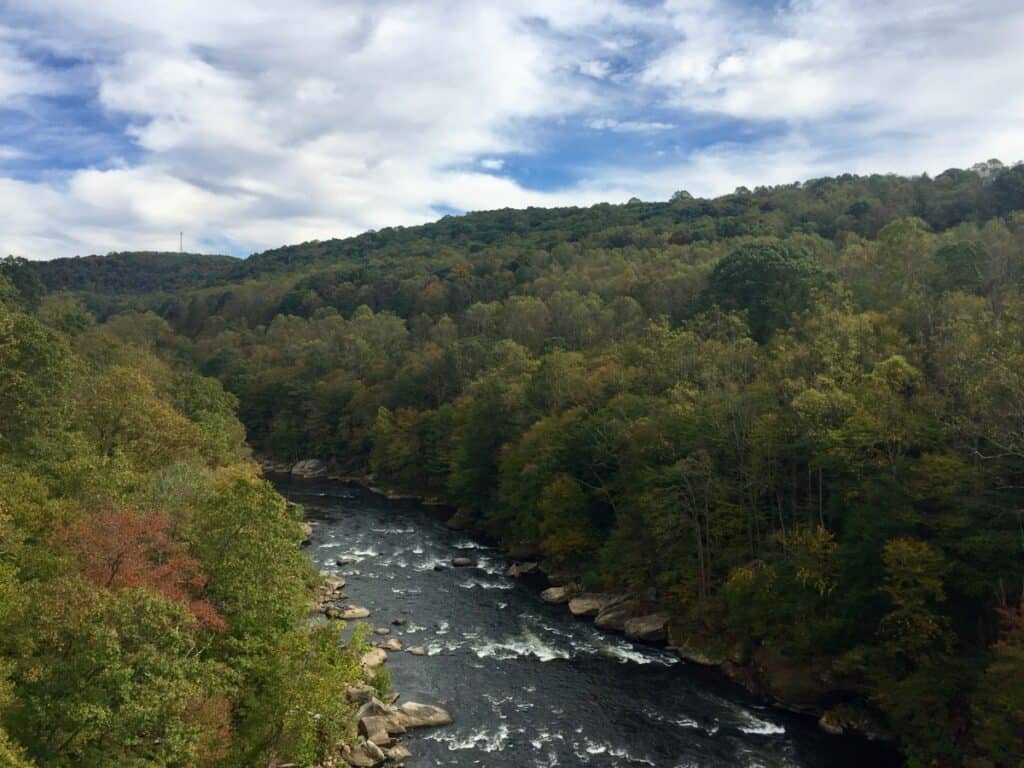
column 121, row 549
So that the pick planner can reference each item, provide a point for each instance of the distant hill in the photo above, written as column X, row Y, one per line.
column 833, row 208
column 136, row 272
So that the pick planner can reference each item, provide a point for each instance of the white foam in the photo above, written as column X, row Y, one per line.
column 757, row 726
column 480, row 584
column 595, row 748
column 483, row 739
column 526, row 646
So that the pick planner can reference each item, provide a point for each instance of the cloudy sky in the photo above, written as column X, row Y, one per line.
column 258, row 123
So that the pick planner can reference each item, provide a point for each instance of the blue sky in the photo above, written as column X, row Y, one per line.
column 253, row 124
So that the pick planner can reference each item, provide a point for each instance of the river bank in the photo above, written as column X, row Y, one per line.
column 635, row 619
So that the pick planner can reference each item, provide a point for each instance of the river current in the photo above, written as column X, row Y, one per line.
column 526, row 683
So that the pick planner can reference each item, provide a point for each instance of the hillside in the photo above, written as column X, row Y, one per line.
column 135, row 272
column 792, row 417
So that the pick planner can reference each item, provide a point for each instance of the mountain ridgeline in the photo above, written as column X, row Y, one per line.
column 793, row 416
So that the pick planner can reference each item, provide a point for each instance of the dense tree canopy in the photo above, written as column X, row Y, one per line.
column 152, row 593
column 793, row 416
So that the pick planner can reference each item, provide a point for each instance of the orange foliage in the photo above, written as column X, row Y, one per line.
column 119, row 549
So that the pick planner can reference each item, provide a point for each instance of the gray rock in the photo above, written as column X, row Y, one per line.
column 375, row 729
column 591, row 603
column 397, row 752
column 556, row 595
column 373, row 658
column 366, row 754
column 615, row 614
column 523, row 569
column 463, row 562
column 399, row 622
column 373, row 707
column 831, row 724
column 309, row 468
column 382, row 631
column 415, row 715
column 649, row 629
column 350, row 612
column 418, row 650
column 334, row 583
column 392, row 644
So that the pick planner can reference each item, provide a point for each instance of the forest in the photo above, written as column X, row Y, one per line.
column 153, row 596
column 792, row 416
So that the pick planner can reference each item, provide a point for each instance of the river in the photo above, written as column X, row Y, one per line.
column 526, row 683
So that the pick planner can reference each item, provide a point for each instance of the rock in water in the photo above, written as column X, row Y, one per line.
column 614, row 615
column 351, row 612
column 649, row 629
column 364, row 755
column 307, row 533
column 373, row 658
column 375, row 729
column 309, row 468
column 397, row 753
column 522, row 569
column 416, row 715
column 418, row 650
column 392, row 644
column 556, row 595
column 462, row 562
column 591, row 603
column 334, row 583
column 382, row 631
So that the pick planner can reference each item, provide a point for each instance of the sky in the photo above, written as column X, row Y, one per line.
column 248, row 125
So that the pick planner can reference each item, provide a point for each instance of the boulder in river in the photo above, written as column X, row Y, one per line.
column 351, row 612
column 307, row 533
column 556, row 595
column 463, row 562
column 440, row 567
column 591, row 603
column 309, row 468
column 333, row 583
column 365, row 754
column 397, row 752
column 649, row 629
column 615, row 614
column 399, row 622
column 392, row 644
column 373, row 658
column 418, row 650
column 375, row 729
column 415, row 715
column 382, row 631
column 528, row 568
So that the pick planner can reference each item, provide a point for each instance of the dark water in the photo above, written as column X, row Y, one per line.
column 528, row 684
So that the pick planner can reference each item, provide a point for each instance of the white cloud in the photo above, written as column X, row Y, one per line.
column 627, row 126
column 261, row 122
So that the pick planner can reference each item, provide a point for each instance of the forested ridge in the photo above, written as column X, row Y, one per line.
column 153, row 597
column 791, row 416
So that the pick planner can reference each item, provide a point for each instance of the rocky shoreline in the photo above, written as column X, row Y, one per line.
column 378, row 723
column 809, row 690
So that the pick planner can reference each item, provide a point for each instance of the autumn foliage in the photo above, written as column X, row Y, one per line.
column 122, row 549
